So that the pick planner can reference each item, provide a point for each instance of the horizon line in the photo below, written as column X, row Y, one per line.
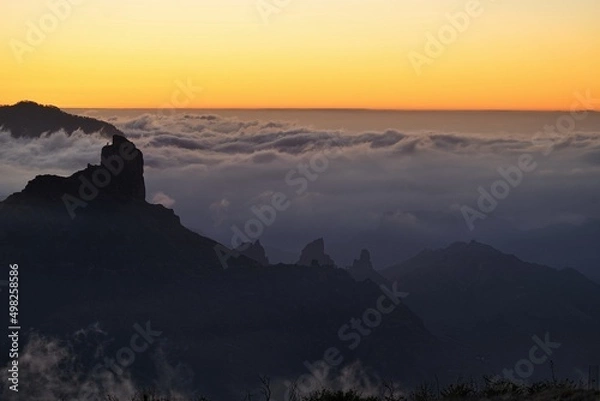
column 334, row 109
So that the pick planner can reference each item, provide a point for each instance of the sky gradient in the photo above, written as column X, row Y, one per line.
column 311, row 54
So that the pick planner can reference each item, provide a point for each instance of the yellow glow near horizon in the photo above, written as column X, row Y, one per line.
column 311, row 54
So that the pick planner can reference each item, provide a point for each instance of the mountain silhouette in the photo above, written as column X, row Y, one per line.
column 362, row 269
column 559, row 245
column 254, row 251
column 556, row 245
column 93, row 251
column 99, row 218
column 96, row 253
column 314, row 254
column 477, row 295
column 32, row 120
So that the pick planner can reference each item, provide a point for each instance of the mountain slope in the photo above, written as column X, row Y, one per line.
column 82, row 223
column 362, row 269
column 481, row 297
column 31, row 120
column 562, row 245
column 92, row 252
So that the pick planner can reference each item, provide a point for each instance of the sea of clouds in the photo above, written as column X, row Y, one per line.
column 212, row 170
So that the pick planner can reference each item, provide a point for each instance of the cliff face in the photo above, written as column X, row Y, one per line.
column 254, row 251
column 362, row 269
column 363, row 262
column 98, row 219
column 119, row 176
column 32, row 120
column 314, row 254
column 128, row 180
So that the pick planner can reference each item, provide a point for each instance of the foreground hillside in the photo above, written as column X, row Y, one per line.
column 499, row 391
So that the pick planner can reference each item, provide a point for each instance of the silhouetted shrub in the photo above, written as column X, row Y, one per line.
column 328, row 395
column 423, row 393
column 502, row 387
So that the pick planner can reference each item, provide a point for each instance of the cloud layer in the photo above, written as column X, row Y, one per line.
column 214, row 170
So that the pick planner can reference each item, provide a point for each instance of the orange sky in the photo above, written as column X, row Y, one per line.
column 508, row 54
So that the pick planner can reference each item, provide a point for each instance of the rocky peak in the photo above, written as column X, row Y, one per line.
column 363, row 262
column 362, row 269
column 127, row 181
column 254, row 251
column 98, row 220
column 118, row 177
column 314, row 254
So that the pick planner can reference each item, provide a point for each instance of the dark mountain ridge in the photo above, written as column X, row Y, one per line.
column 475, row 294
column 91, row 251
column 32, row 120
column 99, row 217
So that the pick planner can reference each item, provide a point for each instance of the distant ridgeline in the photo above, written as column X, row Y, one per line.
column 32, row 120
